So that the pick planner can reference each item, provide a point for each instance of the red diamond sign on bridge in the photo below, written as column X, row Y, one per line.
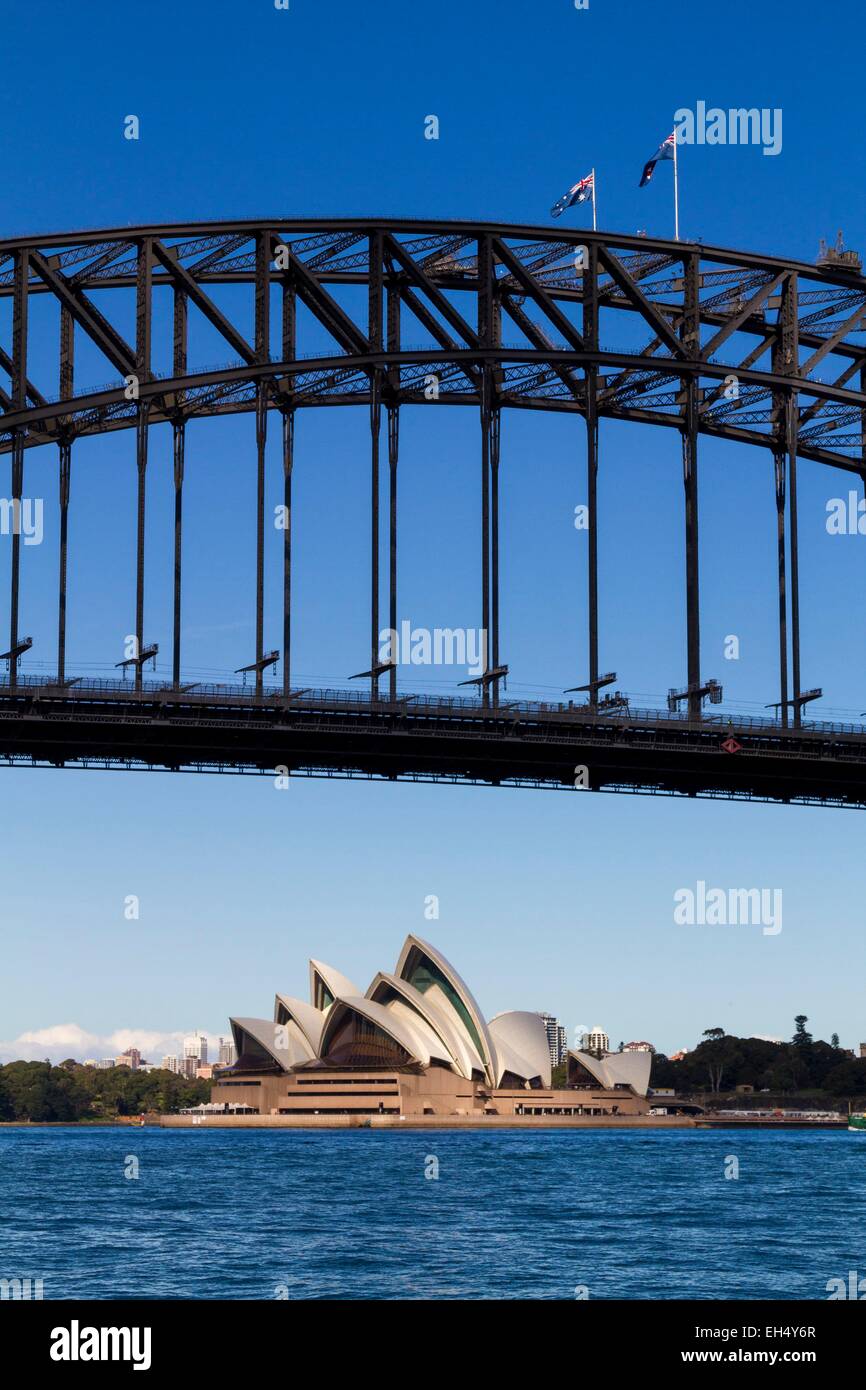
column 730, row 745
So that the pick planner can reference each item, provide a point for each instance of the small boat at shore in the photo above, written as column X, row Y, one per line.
column 857, row 1123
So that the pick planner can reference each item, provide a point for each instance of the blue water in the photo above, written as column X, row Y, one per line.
column 241, row 1215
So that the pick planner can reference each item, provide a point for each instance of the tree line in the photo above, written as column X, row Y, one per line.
column 70, row 1092
column 721, row 1062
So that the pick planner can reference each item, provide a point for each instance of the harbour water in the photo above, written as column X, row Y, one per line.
column 361, row 1214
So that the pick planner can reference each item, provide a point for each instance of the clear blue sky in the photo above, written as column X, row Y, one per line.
column 554, row 901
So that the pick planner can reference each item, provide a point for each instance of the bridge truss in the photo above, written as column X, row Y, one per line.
column 702, row 340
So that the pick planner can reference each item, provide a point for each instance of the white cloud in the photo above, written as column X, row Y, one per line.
column 60, row 1035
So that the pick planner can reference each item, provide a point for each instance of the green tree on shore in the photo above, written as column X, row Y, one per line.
column 722, row 1062
column 69, row 1092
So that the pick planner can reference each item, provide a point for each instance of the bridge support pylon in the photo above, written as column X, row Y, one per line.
column 590, row 335
column 784, row 446
column 179, row 451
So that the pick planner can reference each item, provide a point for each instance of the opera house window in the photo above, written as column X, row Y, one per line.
column 356, row 1042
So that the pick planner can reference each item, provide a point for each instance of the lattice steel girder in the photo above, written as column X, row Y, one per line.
column 561, row 323
column 852, row 323
column 632, row 274
column 143, row 305
column 765, row 345
column 736, row 323
column 551, row 356
column 648, row 254
column 231, row 401
column 436, row 331
column 86, row 315
column 423, row 282
column 536, row 335
column 8, row 365
column 636, row 266
column 185, row 281
column 649, row 311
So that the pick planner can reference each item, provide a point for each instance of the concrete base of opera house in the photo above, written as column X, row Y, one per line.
column 431, row 1091
column 485, row 1122
column 433, row 1097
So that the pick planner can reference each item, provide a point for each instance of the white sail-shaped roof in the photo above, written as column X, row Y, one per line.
column 423, row 1015
column 618, row 1068
column 310, row 1021
column 328, row 984
column 522, row 1047
column 429, row 1046
column 408, row 1038
column 434, row 977
column 463, row 1056
column 263, row 1038
column 632, row 1068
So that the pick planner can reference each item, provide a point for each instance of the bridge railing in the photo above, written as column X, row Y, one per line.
column 335, row 697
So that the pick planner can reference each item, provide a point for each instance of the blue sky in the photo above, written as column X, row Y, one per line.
column 552, row 901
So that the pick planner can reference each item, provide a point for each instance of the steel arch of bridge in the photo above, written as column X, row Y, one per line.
column 703, row 315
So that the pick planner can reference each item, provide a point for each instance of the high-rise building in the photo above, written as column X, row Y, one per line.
column 130, row 1058
column 596, row 1040
column 196, row 1046
column 226, row 1055
column 169, row 1064
column 557, row 1038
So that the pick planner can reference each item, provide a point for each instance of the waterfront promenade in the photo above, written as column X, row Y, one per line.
column 490, row 1122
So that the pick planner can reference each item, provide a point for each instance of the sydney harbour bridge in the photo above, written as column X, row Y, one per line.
column 701, row 340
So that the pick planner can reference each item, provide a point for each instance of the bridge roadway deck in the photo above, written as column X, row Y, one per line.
column 106, row 723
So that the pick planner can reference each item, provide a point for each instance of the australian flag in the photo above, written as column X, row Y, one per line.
column 664, row 151
column 578, row 193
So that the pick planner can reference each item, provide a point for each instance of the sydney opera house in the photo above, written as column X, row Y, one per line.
column 416, row 1043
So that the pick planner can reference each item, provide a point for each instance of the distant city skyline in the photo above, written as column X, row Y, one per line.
column 59, row 1043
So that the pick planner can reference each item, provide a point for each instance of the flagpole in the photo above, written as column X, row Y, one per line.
column 676, row 193
column 594, row 221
